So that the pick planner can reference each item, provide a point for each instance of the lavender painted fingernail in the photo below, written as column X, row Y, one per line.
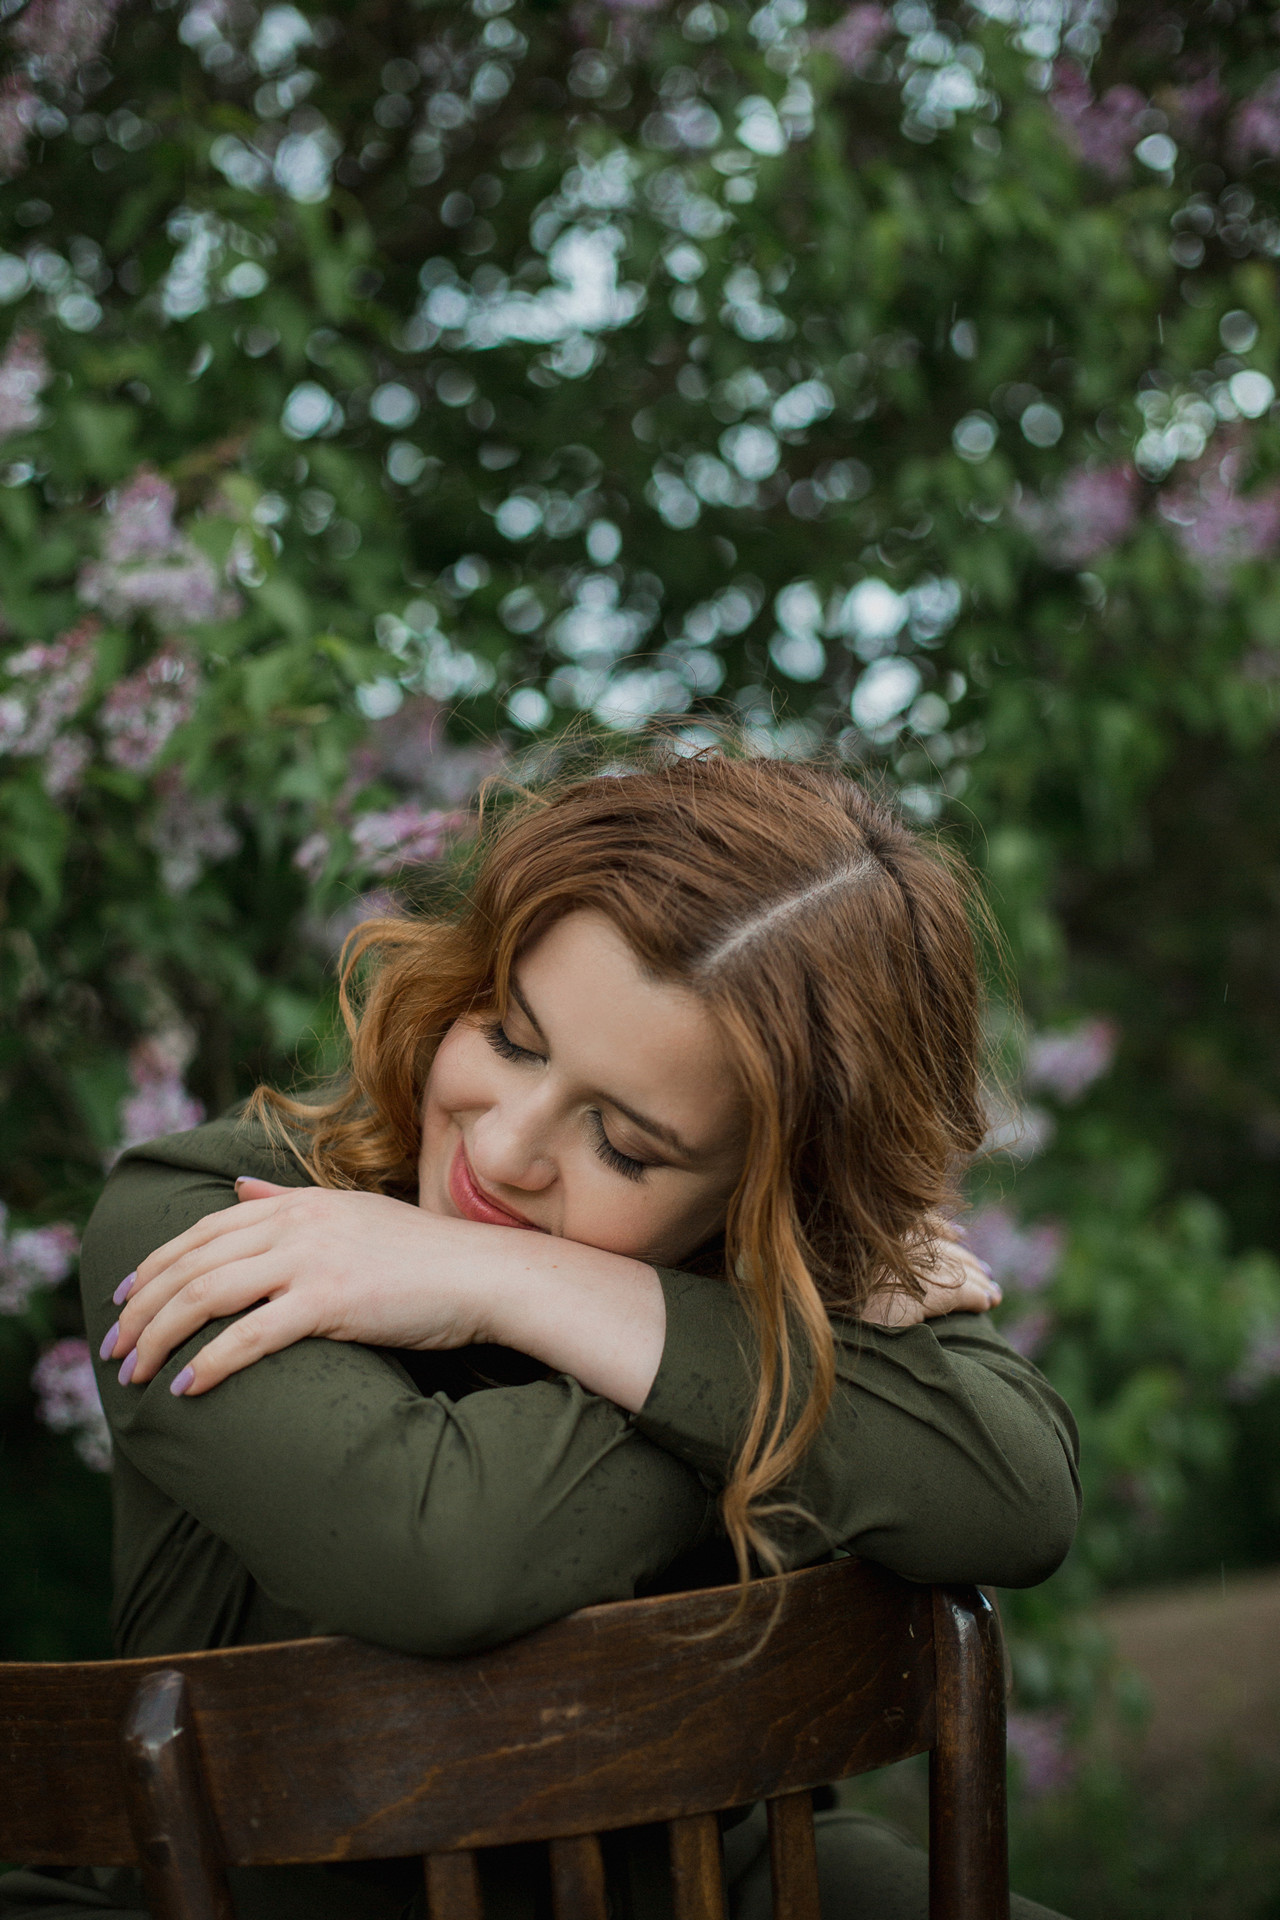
column 986, row 1269
column 181, row 1381
column 126, row 1371
column 108, row 1346
column 125, row 1288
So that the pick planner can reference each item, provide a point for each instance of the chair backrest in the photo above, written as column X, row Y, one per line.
column 665, row 1709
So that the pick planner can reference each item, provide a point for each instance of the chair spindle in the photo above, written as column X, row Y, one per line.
column 453, row 1886
column 169, row 1815
column 793, row 1857
column 577, row 1879
column 968, row 1836
column 697, row 1868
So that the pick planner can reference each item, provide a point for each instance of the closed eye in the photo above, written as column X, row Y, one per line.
column 504, row 1045
column 620, row 1162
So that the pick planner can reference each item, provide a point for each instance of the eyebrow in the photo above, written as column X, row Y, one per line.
column 667, row 1135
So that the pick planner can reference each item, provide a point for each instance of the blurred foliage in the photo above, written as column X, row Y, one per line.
column 1121, row 1843
column 385, row 386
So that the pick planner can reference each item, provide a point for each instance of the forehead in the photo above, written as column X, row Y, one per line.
column 651, row 1044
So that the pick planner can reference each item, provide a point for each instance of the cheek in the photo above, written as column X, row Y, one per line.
column 456, row 1083
column 460, row 1074
column 619, row 1217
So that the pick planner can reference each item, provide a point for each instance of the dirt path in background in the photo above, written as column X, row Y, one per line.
column 1210, row 1658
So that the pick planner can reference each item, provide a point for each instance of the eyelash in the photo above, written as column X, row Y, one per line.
column 621, row 1163
column 498, row 1039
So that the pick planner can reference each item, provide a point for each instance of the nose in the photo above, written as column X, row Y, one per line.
column 510, row 1144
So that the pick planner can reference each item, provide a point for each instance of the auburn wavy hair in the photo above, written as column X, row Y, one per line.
column 831, row 944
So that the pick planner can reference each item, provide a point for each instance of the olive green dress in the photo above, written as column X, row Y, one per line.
column 443, row 1502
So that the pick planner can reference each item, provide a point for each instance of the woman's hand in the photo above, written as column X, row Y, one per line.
column 340, row 1266
column 313, row 1263
column 958, row 1282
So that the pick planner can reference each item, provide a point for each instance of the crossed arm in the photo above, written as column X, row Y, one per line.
column 417, row 1518
column 302, row 1262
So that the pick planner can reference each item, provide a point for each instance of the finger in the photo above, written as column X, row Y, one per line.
column 956, row 1265
column 216, row 1296
column 974, row 1296
column 249, row 1187
column 145, row 1302
column 893, row 1307
column 211, row 1227
column 268, row 1329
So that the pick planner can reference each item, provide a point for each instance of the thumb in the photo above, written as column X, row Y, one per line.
column 249, row 1188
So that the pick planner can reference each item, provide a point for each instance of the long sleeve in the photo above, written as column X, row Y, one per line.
column 944, row 1456
column 354, row 1497
column 357, row 1502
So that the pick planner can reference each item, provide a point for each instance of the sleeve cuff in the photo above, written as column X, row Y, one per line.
column 700, row 1401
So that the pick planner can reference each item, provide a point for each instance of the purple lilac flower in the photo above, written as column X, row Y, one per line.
column 64, row 764
column 858, row 34
column 19, row 106
column 67, row 1400
column 58, row 36
column 1218, row 527
column 411, row 750
column 1039, row 1740
column 1092, row 511
column 140, row 712
column 403, row 836
column 24, row 373
column 311, row 856
column 1261, row 665
column 187, row 830
column 140, row 520
column 1028, row 1332
column 149, row 565
column 57, row 677
column 1066, row 1064
column 1022, row 1257
column 1020, row 1131
column 160, row 1102
column 1260, row 1363
column 330, row 933
column 1255, row 130
column 1104, row 132
column 1195, row 105
column 32, row 1258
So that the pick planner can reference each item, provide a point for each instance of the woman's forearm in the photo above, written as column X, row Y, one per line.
column 599, row 1317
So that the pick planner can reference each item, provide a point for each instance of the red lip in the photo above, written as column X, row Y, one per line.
column 473, row 1203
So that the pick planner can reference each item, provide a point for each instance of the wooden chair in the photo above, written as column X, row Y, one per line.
column 328, row 1750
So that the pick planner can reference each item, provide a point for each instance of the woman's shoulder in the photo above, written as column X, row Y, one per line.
column 235, row 1143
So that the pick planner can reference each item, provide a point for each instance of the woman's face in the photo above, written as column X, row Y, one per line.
column 603, row 1109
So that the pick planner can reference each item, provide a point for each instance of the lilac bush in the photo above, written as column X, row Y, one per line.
column 380, row 395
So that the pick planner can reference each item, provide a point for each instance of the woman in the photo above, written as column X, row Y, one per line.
column 630, row 1157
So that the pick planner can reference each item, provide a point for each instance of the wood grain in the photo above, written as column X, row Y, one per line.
column 793, row 1858
column 178, row 1851
column 697, row 1868
column 327, row 1749
column 453, row 1887
column 968, row 1830
column 577, row 1879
